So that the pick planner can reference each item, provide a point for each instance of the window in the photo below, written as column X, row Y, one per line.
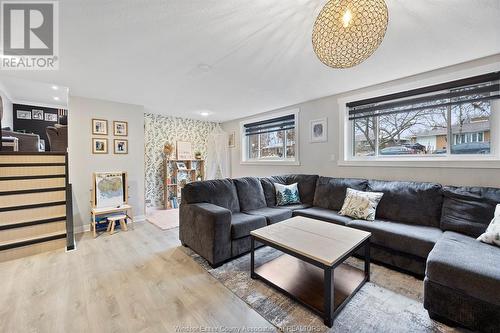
column 442, row 120
column 270, row 140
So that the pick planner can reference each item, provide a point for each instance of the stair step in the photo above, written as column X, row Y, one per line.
column 32, row 240
column 31, row 184
column 33, row 214
column 31, row 231
column 37, row 248
column 17, row 200
column 43, row 158
column 30, row 171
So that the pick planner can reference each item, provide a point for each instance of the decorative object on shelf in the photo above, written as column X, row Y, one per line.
column 37, row 114
column 197, row 155
column 99, row 146
column 184, row 150
column 120, row 128
column 99, row 127
column 232, row 139
column 319, row 130
column 181, row 166
column 168, row 149
column 121, row 146
column 347, row 32
column 23, row 114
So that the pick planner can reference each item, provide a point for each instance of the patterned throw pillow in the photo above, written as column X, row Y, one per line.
column 287, row 194
column 492, row 233
column 361, row 205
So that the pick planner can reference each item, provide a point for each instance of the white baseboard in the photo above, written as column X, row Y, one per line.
column 86, row 227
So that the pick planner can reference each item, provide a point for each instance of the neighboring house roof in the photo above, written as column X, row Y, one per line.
column 479, row 126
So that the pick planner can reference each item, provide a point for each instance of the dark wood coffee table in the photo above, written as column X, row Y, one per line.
column 312, row 269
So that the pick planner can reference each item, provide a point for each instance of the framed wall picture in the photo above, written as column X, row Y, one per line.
column 51, row 117
column 232, row 139
column 37, row 114
column 99, row 146
column 319, row 130
column 120, row 128
column 99, row 127
column 23, row 114
column 184, row 150
column 109, row 189
column 121, row 146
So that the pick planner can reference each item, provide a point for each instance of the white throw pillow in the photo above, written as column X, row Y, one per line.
column 492, row 233
column 287, row 194
column 361, row 205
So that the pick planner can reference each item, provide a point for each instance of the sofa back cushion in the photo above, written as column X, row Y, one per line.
column 330, row 192
column 220, row 192
column 409, row 202
column 250, row 193
column 305, row 183
column 469, row 210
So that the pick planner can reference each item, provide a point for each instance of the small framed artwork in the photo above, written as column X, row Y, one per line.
column 120, row 128
column 99, row 146
column 184, row 150
column 232, row 139
column 121, row 146
column 99, row 127
column 181, row 166
column 51, row 117
column 23, row 114
column 319, row 130
column 37, row 114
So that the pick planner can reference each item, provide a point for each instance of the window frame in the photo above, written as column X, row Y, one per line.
column 346, row 131
column 245, row 152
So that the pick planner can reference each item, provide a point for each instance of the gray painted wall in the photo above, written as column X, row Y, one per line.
column 322, row 158
column 83, row 163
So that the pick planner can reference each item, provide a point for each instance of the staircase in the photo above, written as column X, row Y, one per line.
column 35, row 204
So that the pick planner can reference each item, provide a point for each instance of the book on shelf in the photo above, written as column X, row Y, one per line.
column 174, row 203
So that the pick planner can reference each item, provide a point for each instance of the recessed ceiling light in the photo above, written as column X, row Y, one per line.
column 56, row 98
column 205, row 113
column 204, row 67
column 55, row 87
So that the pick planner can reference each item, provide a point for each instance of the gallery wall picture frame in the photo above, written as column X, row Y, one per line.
column 120, row 146
column 51, row 117
column 20, row 114
column 319, row 130
column 37, row 114
column 99, row 145
column 120, row 128
column 232, row 140
column 184, row 150
column 99, row 126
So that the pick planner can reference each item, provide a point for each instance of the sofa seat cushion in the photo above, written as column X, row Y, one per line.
column 323, row 214
column 407, row 238
column 295, row 206
column 462, row 263
column 242, row 224
column 272, row 215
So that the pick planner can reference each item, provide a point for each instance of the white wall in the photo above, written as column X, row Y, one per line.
column 8, row 116
column 323, row 158
column 83, row 163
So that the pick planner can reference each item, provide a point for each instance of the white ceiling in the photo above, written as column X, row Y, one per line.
column 237, row 58
column 22, row 91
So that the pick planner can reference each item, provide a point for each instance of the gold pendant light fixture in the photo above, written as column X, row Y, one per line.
column 347, row 32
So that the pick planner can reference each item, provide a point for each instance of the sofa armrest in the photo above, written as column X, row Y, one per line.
column 206, row 228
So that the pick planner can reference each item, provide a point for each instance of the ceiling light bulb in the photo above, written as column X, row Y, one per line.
column 55, row 87
column 205, row 114
column 346, row 19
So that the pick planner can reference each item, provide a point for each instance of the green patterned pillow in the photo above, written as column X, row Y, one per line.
column 492, row 233
column 361, row 205
column 287, row 194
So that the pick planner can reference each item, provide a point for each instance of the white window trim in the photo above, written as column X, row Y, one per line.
column 346, row 158
column 244, row 146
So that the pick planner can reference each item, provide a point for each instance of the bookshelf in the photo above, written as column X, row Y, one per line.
column 177, row 174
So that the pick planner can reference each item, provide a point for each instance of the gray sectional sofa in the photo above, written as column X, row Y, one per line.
column 425, row 229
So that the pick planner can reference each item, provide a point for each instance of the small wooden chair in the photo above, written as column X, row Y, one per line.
column 112, row 221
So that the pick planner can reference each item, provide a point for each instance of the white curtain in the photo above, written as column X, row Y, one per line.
column 217, row 154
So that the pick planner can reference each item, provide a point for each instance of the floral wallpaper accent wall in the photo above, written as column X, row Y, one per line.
column 160, row 129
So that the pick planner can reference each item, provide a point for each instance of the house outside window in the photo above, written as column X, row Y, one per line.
column 418, row 123
column 271, row 140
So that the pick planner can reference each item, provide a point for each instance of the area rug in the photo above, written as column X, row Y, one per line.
column 164, row 218
column 391, row 302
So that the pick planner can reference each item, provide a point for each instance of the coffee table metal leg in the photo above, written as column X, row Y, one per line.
column 252, row 257
column 367, row 260
column 329, row 298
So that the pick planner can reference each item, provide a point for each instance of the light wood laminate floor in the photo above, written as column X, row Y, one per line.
column 135, row 281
